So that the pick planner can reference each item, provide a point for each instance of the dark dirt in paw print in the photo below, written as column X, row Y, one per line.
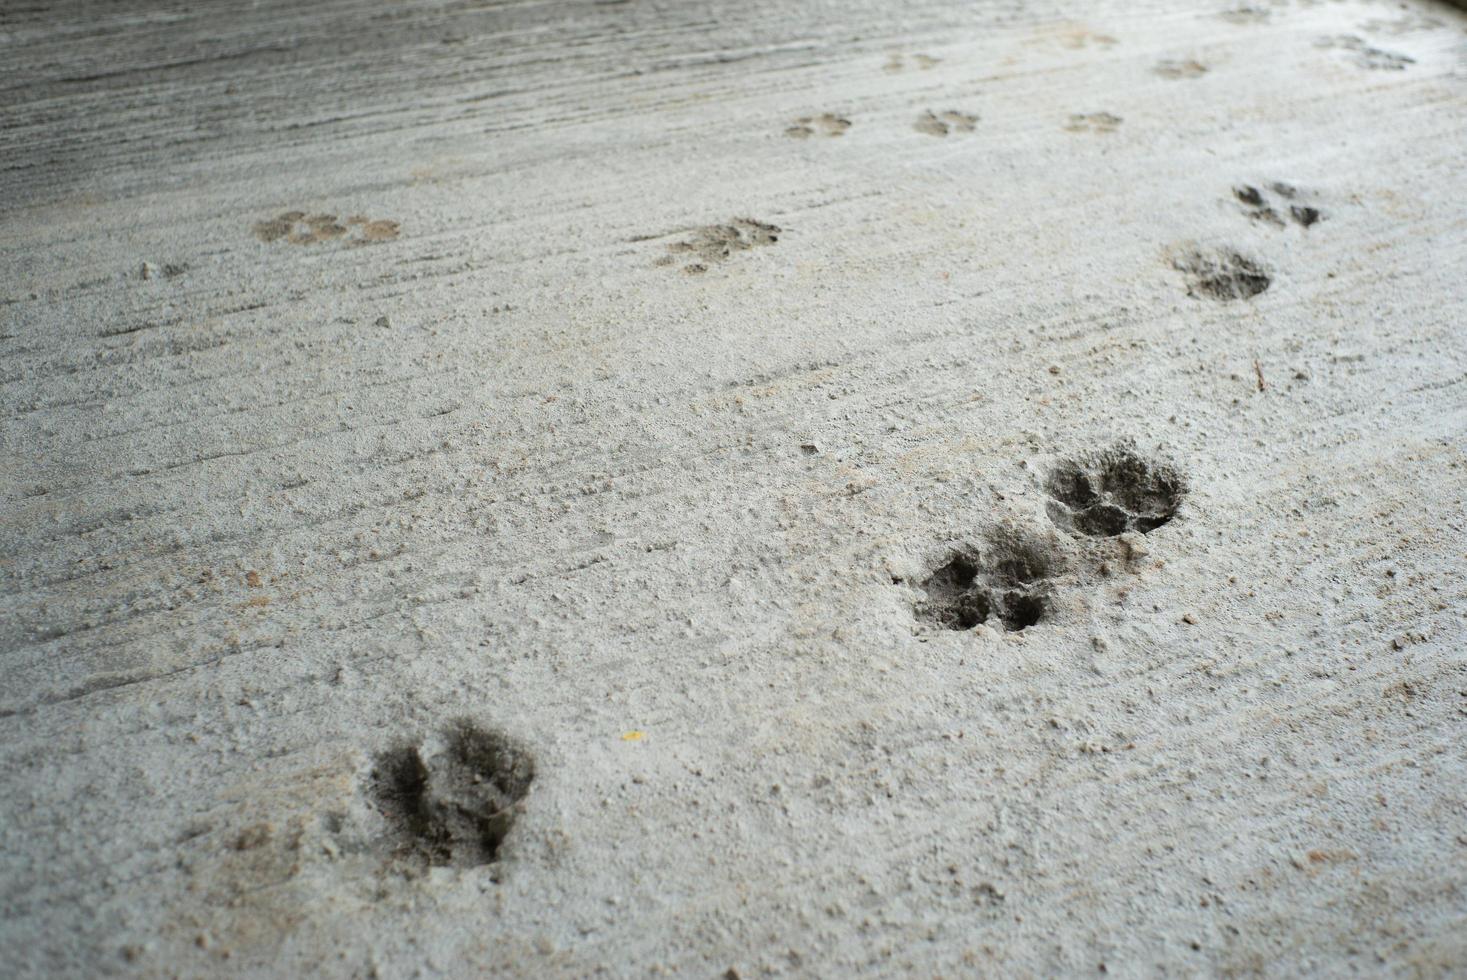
column 825, row 124
column 717, row 243
column 1364, row 55
column 943, row 123
column 1258, row 207
column 1005, row 584
column 1222, row 275
column 300, row 228
column 1304, row 216
column 1094, row 122
column 1113, row 492
column 451, row 799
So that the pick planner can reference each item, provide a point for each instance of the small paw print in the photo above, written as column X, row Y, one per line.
column 825, row 124
column 717, row 243
column 300, row 228
column 1093, row 122
column 943, row 123
column 922, row 62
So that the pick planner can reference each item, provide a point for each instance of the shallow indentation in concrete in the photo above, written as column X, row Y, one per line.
column 1222, row 275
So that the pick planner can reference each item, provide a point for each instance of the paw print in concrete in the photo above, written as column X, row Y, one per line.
column 1113, row 492
column 452, row 798
column 1180, row 68
column 1094, row 122
column 712, row 244
column 825, row 124
column 300, row 228
column 1006, row 583
column 1223, row 275
column 900, row 62
column 1364, row 55
column 945, row 122
column 1259, row 208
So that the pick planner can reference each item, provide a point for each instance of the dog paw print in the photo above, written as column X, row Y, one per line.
column 921, row 62
column 942, row 123
column 1258, row 207
column 1175, row 69
column 1006, row 584
column 300, row 228
column 1364, row 55
column 1078, row 38
column 717, row 243
column 825, row 124
column 1113, row 492
column 1246, row 15
column 1409, row 22
column 451, row 799
column 1093, row 122
column 1222, row 275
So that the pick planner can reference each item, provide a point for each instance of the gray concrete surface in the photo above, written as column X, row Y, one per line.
column 486, row 487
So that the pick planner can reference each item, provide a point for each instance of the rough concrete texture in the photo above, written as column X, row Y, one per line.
column 481, row 483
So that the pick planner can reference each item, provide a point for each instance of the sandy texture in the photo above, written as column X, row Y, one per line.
column 489, row 489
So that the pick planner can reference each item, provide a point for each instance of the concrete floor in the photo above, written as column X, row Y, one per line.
column 733, row 489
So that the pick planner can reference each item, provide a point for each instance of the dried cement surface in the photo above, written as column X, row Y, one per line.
column 733, row 489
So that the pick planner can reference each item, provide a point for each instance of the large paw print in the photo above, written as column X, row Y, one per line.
column 1114, row 492
column 1222, row 275
column 452, row 799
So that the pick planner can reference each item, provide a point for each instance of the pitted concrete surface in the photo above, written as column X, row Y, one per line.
column 733, row 489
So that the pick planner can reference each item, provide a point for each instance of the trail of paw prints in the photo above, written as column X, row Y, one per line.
column 1259, row 208
column 943, row 123
column 1364, row 55
column 825, row 124
column 1113, row 492
column 300, row 228
column 1094, row 122
column 1010, row 582
column 899, row 63
column 1179, row 69
column 1007, row 584
column 1221, row 274
column 712, row 244
column 451, row 799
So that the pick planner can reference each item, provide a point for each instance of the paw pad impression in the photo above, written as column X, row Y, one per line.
column 1113, row 492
